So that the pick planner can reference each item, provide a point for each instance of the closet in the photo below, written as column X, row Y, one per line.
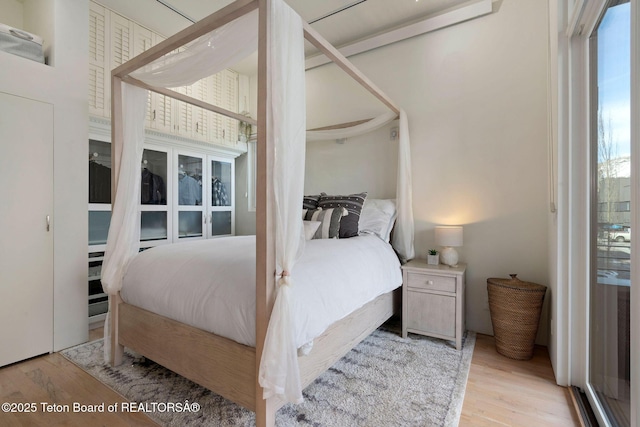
column 186, row 192
column 205, row 196
column 26, row 226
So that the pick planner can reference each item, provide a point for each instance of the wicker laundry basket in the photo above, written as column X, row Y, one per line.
column 515, row 314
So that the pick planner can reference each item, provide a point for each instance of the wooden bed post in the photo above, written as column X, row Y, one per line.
column 117, row 350
column 265, row 235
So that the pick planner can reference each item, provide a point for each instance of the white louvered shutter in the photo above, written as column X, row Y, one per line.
column 200, row 115
column 230, row 94
column 216, row 97
column 99, row 78
column 121, row 40
column 184, row 113
column 143, row 40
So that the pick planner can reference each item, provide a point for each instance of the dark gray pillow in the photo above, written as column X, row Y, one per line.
column 310, row 202
column 353, row 203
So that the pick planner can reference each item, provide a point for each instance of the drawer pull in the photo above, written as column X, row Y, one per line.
column 429, row 282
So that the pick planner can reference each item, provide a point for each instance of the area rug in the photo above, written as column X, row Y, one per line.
column 383, row 381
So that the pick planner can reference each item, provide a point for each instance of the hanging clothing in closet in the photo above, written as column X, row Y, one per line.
column 219, row 193
column 99, row 183
column 153, row 191
column 189, row 191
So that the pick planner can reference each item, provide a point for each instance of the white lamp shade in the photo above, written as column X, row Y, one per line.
column 449, row 235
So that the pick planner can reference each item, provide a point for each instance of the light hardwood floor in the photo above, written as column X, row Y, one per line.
column 500, row 392
column 505, row 392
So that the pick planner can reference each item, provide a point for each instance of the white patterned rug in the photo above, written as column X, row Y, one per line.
column 384, row 381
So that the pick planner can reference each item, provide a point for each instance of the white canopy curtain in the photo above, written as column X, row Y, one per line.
column 286, row 115
column 403, row 233
column 351, row 131
column 205, row 56
column 123, row 240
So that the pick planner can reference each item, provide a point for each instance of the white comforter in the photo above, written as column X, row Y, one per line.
column 210, row 284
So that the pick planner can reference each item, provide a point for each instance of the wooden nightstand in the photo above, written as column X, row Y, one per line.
column 433, row 300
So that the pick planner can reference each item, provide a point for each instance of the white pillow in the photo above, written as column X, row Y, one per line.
column 310, row 228
column 377, row 217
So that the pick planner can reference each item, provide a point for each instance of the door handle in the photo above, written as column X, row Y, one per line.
column 48, row 222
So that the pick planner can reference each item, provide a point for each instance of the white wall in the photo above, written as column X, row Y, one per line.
column 65, row 86
column 476, row 99
column 12, row 14
column 365, row 163
column 558, row 340
column 37, row 20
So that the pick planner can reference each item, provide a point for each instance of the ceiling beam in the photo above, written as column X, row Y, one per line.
column 470, row 11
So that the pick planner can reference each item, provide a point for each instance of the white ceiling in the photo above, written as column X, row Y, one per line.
column 355, row 23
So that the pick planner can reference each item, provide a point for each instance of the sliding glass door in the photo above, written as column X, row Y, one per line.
column 610, row 242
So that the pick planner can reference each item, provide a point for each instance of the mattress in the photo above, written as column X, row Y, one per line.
column 210, row 284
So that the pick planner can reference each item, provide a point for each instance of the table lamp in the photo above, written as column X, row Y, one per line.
column 449, row 236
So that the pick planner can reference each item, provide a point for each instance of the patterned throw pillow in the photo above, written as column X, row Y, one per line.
column 329, row 222
column 352, row 203
column 310, row 202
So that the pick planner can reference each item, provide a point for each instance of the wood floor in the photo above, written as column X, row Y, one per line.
column 505, row 392
column 500, row 392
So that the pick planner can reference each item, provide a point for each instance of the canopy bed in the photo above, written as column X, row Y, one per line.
column 265, row 373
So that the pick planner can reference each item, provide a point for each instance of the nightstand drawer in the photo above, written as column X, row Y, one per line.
column 431, row 282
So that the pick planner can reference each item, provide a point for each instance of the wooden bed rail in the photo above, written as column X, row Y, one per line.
column 341, row 61
column 189, row 100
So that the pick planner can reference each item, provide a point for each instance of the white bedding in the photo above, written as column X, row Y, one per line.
column 210, row 284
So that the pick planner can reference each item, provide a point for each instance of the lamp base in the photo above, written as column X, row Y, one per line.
column 449, row 256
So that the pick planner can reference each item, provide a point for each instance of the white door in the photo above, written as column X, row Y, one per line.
column 26, row 242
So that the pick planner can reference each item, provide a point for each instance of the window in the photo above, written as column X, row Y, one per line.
column 610, row 247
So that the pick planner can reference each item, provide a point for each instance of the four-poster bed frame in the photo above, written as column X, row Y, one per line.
column 220, row 364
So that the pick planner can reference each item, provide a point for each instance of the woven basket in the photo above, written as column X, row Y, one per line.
column 515, row 314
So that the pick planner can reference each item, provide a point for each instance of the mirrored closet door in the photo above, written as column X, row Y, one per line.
column 99, row 191
column 154, row 193
column 204, row 188
column 220, row 197
column 189, row 185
